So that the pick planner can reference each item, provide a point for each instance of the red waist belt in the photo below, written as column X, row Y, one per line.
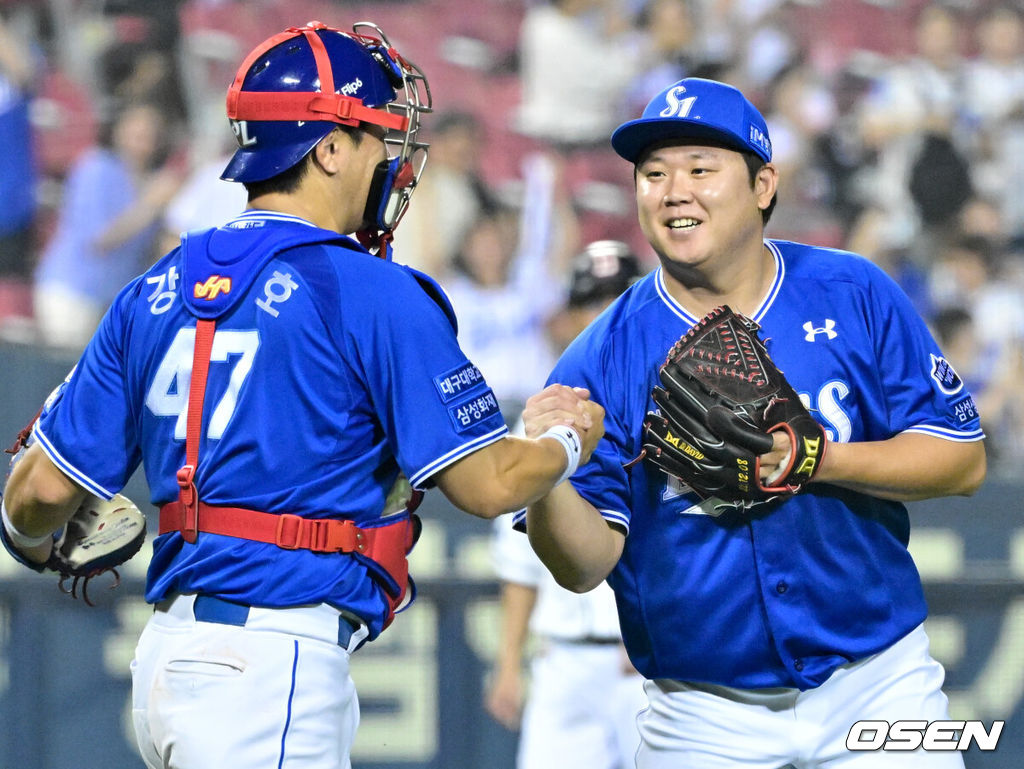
column 384, row 547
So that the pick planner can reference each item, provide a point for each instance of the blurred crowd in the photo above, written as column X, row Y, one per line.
column 898, row 128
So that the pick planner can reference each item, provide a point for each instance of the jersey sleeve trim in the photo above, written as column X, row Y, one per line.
column 612, row 516
column 519, row 521
column 418, row 479
column 947, row 434
column 69, row 469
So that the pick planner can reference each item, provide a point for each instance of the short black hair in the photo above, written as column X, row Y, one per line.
column 288, row 180
column 285, row 182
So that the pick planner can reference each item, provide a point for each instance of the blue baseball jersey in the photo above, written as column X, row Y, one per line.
column 784, row 594
column 332, row 371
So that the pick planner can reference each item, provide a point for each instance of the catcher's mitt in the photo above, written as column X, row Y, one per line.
column 100, row 536
column 722, row 398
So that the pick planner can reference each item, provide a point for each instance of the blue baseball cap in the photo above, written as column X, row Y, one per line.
column 695, row 108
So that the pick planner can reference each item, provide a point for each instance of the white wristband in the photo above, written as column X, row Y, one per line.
column 19, row 539
column 570, row 441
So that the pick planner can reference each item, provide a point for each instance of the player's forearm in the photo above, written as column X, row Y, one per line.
column 571, row 538
column 39, row 498
column 504, row 477
column 907, row 467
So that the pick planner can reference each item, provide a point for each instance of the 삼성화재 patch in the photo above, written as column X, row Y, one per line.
column 471, row 412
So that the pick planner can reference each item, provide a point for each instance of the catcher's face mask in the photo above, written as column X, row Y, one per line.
column 296, row 86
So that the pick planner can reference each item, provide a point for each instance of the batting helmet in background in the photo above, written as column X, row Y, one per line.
column 292, row 90
column 602, row 271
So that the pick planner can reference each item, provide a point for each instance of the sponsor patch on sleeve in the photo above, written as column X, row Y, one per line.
column 471, row 412
column 458, row 382
column 945, row 376
column 965, row 411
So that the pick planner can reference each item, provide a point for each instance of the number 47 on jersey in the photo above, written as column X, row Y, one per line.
column 168, row 394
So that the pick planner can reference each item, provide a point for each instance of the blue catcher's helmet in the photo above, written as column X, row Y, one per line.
column 292, row 90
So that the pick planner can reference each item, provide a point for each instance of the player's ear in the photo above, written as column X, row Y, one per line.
column 766, row 183
column 331, row 151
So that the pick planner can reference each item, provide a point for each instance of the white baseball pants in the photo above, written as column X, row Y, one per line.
column 691, row 726
column 273, row 691
column 581, row 710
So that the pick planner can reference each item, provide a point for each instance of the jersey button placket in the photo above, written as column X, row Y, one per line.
column 781, row 587
column 798, row 665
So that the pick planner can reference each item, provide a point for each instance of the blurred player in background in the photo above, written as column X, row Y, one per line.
column 765, row 633
column 584, row 695
column 280, row 382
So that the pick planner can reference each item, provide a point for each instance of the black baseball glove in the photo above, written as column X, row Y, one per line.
column 722, row 398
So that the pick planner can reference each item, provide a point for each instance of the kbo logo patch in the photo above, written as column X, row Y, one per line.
column 945, row 376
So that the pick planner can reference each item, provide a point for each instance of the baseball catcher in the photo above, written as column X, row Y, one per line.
column 722, row 399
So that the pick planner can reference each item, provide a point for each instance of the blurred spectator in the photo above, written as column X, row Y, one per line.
column 993, row 96
column 108, row 219
column 751, row 38
column 506, row 285
column 667, row 49
column 973, row 272
column 18, row 77
column 982, row 217
column 576, row 61
column 994, row 78
column 992, row 372
column 842, row 151
column 450, row 196
column 140, row 62
column 204, row 200
column 910, row 119
column 801, row 111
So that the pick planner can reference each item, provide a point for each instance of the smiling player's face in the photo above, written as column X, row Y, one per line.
column 697, row 207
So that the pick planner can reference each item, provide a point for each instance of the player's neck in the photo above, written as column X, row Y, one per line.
column 317, row 200
column 284, row 203
column 741, row 286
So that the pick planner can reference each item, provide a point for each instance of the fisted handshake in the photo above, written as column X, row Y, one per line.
column 565, row 413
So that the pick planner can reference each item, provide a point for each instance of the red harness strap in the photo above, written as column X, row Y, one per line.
column 386, row 546
column 188, row 497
